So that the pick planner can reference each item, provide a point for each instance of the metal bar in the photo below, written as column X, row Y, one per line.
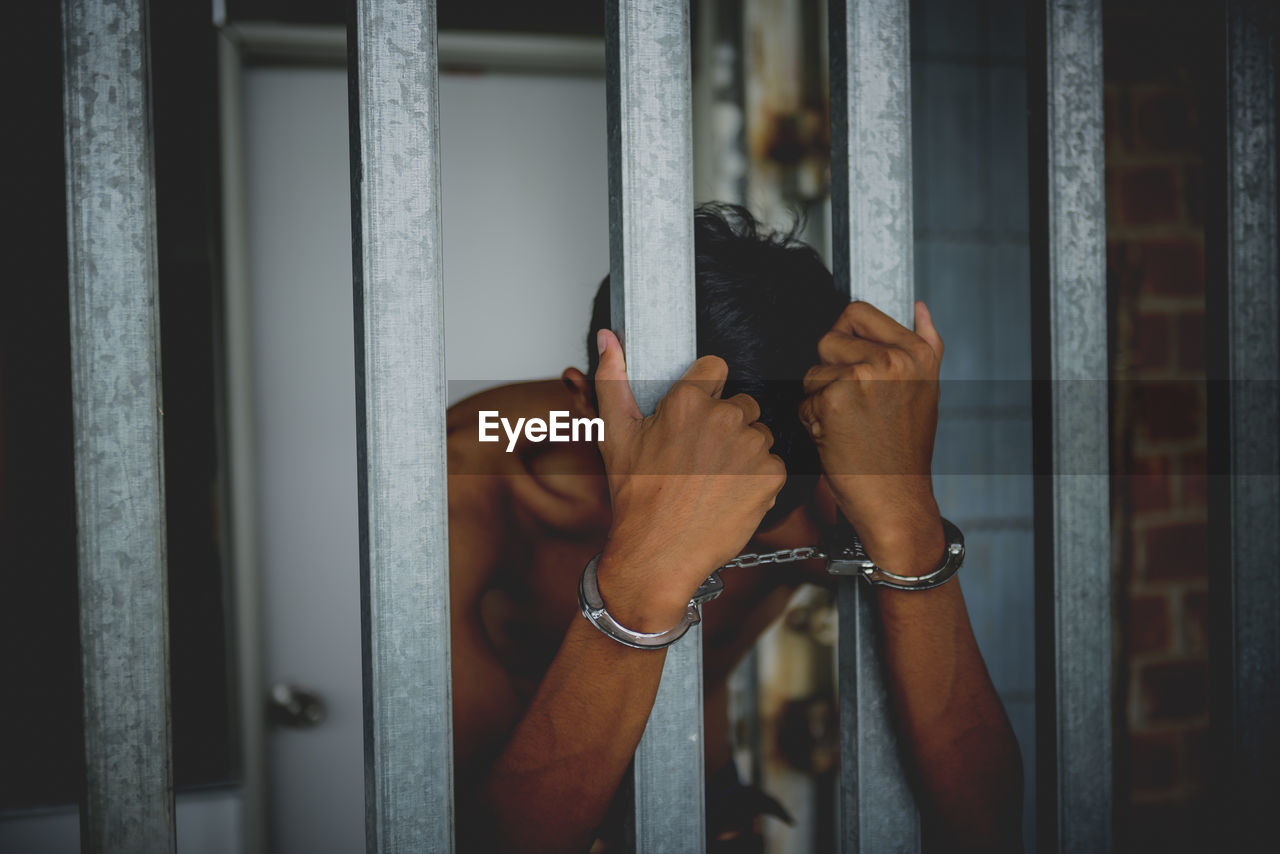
column 1071, row 427
column 401, row 393
column 119, row 461
column 1245, row 591
column 872, row 254
column 652, row 292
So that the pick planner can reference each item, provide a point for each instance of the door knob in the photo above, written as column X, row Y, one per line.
column 291, row 706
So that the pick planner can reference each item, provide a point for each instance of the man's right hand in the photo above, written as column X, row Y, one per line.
column 688, row 484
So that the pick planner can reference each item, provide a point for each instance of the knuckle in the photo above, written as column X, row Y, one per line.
column 726, row 414
column 827, row 345
column 899, row 361
column 684, row 395
column 862, row 373
column 827, row 404
column 921, row 350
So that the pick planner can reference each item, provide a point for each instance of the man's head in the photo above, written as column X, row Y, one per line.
column 763, row 301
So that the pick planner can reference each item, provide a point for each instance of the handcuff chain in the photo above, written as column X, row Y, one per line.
column 782, row 556
column 714, row 585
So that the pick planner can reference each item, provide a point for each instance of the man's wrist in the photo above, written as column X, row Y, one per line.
column 633, row 594
column 905, row 544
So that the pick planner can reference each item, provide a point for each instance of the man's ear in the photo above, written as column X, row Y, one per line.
column 580, row 388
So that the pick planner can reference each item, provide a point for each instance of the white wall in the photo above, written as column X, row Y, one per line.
column 525, row 210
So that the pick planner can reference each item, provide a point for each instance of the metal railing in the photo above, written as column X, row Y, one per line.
column 872, row 245
column 1069, row 366
column 128, row 805
column 119, row 452
column 401, row 392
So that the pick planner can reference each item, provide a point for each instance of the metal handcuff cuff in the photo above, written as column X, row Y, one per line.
column 841, row 549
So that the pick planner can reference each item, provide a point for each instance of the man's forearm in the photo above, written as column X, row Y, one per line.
column 962, row 746
column 553, row 782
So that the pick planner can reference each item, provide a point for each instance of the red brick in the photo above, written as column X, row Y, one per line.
column 1174, row 690
column 1165, row 411
column 1148, row 626
column 1153, row 760
column 1177, row 550
column 1195, row 621
column 1194, row 480
column 1151, row 341
column 1165, row 120
column 1146, row 195
column 1124, row 267
column 1150, row 486
column 1191, row 342
column 1151, row 492
column 1173, row 267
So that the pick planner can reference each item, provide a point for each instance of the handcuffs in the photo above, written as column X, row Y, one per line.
column 841, row 549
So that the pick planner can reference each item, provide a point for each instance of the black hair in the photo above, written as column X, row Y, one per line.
column 763, row 300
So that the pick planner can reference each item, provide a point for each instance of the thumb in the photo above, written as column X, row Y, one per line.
column 613, row 391
column 926, row 330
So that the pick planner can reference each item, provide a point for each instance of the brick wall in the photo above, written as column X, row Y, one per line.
column 1155, row 259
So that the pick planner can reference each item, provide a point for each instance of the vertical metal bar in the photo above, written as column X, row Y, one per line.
column 872, row 252
column 115, row 372
column 400, row 378
column 1071, row 427
column 1245, row 591
column 651, row 286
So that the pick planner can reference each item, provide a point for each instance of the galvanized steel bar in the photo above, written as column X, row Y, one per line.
column 651, row 279
column 119, row 463
column 1072, row 505
column 872, row 251
column 400, row 377
column 1246, row 646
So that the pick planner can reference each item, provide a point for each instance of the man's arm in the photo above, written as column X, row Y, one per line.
column 872, row 411
column 688, row 486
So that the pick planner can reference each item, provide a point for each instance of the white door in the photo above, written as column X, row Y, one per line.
column 525, row 244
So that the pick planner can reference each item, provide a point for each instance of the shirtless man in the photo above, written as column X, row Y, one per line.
column 547, row 709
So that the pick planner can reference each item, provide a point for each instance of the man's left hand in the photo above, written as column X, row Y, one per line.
column 872, row 410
